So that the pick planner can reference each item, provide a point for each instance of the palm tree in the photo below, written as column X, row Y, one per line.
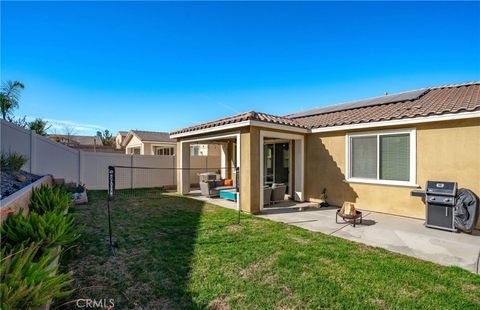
column 9, row 96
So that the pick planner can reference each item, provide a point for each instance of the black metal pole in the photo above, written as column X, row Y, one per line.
column 110, row 229
column 110, row 195
column 237, row 189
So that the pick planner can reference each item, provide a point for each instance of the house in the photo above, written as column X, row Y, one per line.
column 76, row 140
column 84, row 143
column 120, row 136
column 149, row 143
column 372, row 152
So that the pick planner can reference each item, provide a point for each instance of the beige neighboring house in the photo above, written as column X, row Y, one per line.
column 149, row 143
column 76, row 140
column 121, row 135
column 84, row 143
column 372, row 152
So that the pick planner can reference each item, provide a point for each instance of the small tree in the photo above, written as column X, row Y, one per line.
column 39, row 126
column 9, row 96
column 106, row 137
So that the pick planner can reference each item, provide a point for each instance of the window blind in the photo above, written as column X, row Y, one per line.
column 364, row 157
column 395, row 157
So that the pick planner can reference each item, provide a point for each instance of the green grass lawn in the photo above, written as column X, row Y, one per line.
column 174, row 253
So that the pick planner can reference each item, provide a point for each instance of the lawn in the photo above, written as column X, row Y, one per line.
column 179, row 253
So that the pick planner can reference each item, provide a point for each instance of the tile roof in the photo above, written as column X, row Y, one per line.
column 247, row 116
column 153, row 136
column 436, row 100
column 80, row 140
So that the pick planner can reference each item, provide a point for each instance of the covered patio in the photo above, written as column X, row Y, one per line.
column 262, row 155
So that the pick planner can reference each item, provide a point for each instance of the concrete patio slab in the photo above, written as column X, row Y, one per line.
column 403, row 235
column 398, row 234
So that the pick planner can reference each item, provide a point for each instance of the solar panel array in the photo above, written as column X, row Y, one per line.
column 405, row 96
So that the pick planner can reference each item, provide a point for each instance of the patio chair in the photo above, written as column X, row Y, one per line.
column 267, row 195
column 278, row 192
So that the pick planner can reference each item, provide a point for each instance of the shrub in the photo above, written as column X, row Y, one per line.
column 26, row 282
column 12, row 161
column 48, row 230
column 49, row 199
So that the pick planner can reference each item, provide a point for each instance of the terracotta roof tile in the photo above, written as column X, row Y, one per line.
column 435, row 101
column 247, row 116
column 438, row 100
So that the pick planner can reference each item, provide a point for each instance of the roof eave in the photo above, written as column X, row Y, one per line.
column 400, row 122
column 239, row 125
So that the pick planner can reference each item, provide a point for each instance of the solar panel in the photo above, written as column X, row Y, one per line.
column 405, row 96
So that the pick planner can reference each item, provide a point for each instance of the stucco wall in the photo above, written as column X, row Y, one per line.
column 250, row 170
column 446, row 151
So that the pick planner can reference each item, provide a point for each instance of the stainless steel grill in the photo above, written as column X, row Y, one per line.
column 440, row 204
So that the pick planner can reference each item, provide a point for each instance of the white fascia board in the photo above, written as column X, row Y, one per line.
column 279, row 126
column 158, row 142
column 408, row 121
column 238, row 125
column 209, row 130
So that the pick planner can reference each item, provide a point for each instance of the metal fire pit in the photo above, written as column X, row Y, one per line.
column 349, row 218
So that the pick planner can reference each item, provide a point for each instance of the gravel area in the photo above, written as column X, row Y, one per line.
column 10, row 184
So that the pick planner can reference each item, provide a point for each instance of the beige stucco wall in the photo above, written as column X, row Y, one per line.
column 446, row 151
column 134, row 142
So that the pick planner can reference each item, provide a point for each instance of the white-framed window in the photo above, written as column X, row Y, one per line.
column 198, row 150
column 164, row 151
column 382, row 157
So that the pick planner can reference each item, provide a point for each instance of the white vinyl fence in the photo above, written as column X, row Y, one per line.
column 46, row 156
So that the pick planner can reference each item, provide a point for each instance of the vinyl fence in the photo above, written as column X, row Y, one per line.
column 46, row 156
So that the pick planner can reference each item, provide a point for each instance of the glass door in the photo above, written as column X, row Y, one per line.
column 268, row 164
column 276, row 163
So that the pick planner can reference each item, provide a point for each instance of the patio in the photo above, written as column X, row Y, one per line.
column 395, row 233
column 399, row 234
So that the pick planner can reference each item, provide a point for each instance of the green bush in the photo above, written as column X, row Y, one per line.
column 48, row 230
column 26, row 282
column 49, row 199
column 12, row 161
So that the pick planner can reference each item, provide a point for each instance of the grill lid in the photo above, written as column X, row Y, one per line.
column 441, row 188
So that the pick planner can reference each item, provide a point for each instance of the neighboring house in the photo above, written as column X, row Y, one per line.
column 121, row 135
column 149, row 143
column 372, row 152
column 84, row 143
column 204, row 150
column 76, row 141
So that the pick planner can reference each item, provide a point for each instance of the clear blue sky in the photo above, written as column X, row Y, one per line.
column 163, row 66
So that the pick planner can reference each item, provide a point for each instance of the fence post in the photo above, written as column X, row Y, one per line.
column 32, row 151
column 80, row 167
column 131, row 171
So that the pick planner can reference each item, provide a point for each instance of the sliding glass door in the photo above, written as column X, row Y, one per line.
column 276, row 163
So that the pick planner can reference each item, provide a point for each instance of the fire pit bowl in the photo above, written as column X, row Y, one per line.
column 349, row 218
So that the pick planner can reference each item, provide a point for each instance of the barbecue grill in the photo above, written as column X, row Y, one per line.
column 440, row 204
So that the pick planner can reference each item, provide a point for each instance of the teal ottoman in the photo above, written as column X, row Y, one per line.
column 229, row 194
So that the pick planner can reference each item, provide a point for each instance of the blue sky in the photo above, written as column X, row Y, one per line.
column 163, row 66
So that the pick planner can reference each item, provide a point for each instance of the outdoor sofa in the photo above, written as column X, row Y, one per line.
column 212, row 188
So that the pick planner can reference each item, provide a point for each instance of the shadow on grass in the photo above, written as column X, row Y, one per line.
column 155, row 236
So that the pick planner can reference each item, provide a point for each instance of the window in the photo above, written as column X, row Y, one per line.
column 382, row 157
column 199, row 150
column 164, row 151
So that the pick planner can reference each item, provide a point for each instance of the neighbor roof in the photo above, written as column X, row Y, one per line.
column 81, row 140
column 148, row 136
column 429, row 101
